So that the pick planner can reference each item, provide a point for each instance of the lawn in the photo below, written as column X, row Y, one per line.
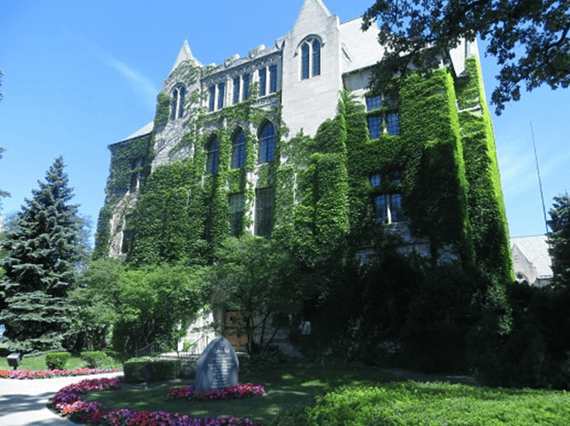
column 39, row 363
column 355, row 397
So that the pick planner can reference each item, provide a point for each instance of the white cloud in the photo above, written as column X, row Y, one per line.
column 141, row 85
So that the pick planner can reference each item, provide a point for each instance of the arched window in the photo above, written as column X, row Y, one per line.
column 311, row 57
column 305, row 68
column 213, row 155
column 266, row 143
column 238, row 150
column 178, row 94
column 316, row 58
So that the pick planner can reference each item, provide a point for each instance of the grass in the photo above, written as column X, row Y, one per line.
column 286, row 387
column 355, row 397
column 39, row 363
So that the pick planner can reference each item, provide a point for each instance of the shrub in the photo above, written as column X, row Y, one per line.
column 57, row 360
column 94, row 359
column 150, row 370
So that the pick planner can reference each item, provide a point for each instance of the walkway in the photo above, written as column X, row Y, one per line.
column 23, row 402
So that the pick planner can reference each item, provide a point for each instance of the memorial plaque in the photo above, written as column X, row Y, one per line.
column 217, row 367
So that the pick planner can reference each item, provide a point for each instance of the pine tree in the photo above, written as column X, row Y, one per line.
column 559, row 239
column 40, row 268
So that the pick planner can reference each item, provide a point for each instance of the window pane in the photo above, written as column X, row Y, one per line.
column 273, row 79
column 181, row 94
column 212, row 105
column 263, row 211
column 174, row 104
column 266, row 144
column 305, row 61
column 396, row 211
column 262, row 81
column 373, row 102
column 376, row 180
column 380, row 208
column 221, row 90
column 374, row 126
column 245, row 95
column 238, row 151
column 213, row 156
column 393, row 120
column 316, row 58
column 236, row 90
column 236, row 212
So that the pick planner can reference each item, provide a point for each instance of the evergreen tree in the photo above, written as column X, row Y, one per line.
column 559, row 239
column 40, row 267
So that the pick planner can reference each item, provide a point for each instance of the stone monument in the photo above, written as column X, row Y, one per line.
column 217, row 367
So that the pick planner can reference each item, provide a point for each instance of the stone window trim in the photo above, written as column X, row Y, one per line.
column 309, row 52
column 177, row 105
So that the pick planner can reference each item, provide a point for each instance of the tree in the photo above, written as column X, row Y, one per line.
column 529, row 38
column 258, row 278
column 559, row 239
column 40, row 267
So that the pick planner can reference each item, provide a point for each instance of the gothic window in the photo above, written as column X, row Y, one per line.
column 305, row 59
column 238, row 150
column 262, row 81
column 236, row 212
column 213, row 149
column 266, row 143
column 245, row 94
column 388, row 204
column 137, row 168
column 316, row 58
column 221, row 92
column 212, row 104
column 236, row 89
column 177, row 106
column 310, row 58
column 263, row 211
column 273, row 79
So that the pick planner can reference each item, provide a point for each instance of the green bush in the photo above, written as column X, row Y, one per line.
column 150, row 370
column 57, row 360
column 94, row 359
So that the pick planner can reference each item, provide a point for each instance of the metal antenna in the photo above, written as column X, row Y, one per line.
column 539, row 180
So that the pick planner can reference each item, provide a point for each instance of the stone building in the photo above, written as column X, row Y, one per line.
column 231, row 133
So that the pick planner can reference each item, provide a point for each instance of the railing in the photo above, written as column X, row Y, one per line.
column 198, row 346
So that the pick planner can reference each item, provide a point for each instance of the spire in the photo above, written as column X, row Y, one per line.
column 184, row 55
column 311, row 10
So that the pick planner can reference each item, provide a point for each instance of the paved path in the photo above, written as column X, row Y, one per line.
column 23, row 402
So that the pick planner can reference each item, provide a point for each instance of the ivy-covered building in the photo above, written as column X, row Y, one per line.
column 290, row 139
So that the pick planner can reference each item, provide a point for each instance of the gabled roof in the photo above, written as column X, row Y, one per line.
column 535, row 249
column 142, row 132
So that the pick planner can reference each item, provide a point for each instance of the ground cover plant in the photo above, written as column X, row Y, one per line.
column 308, row 395
column 48, row 374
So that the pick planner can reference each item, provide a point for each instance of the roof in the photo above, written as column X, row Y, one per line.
column 535, row 249
column 142, row 132
column 360, row 47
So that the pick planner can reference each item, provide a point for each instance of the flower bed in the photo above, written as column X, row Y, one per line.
column 48, row 374
column 239, row 391
column 68, row 402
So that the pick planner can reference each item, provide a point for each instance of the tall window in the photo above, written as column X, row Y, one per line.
column 245, row 94
column 221, row 93
column 374, row 126
column 238, row 150
column 393, row 120
column 263, row 211
column 262, row 81
column 305, row 68
column 316, row 58
column 236, row 89
column 310, row 58
column 213, row 155
column 266, row 143
column 236, row 213
column 177, row 106
column 387, row 206
column 273, row 79
column 212, row 103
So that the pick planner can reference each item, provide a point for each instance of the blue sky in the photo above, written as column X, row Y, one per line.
column 80, row 75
